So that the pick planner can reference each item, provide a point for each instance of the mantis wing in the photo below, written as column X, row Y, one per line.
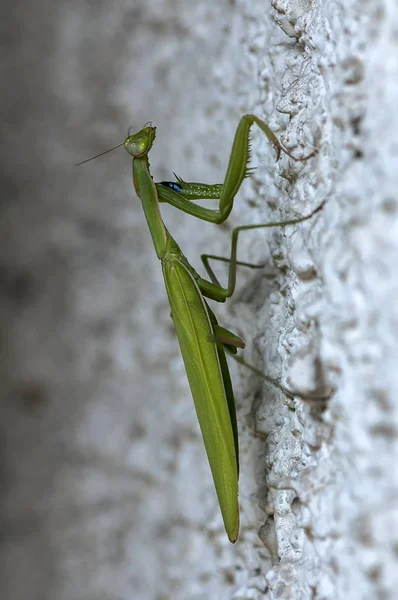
column 206, row 379
column 227, row 384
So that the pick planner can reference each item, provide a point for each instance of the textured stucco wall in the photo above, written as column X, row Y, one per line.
column 106, row 491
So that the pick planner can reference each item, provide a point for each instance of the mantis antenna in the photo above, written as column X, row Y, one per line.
column 98, row 155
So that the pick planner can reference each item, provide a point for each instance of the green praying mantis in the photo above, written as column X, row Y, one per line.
column 203, row 342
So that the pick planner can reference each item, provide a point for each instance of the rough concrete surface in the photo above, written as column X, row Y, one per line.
column 106, row 491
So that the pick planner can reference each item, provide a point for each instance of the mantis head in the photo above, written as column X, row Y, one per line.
column 140, row 143
column 137, row 145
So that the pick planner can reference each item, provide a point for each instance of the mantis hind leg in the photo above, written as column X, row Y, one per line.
column 230, row 343
column 275, row 381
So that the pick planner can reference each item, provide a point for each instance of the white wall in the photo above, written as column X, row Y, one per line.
column 106, row 489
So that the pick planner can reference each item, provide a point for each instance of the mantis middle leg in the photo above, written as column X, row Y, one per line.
column 213, row 289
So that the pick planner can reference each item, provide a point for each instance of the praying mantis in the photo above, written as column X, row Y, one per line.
column 203, row 342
